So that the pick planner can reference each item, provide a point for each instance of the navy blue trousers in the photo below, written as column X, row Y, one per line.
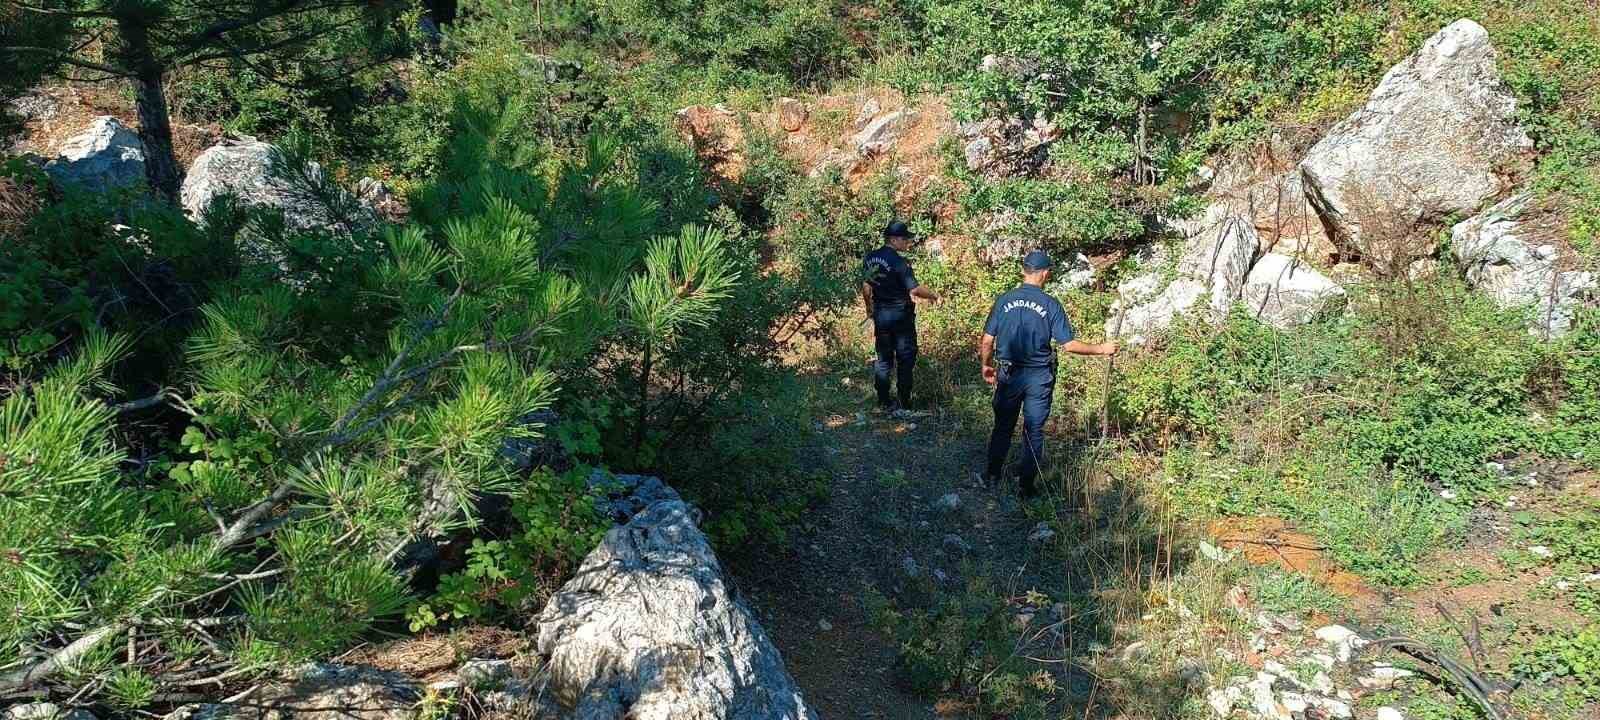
column 1029, row 391
column 895, row 330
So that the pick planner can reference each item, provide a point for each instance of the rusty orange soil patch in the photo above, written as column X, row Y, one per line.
column 1270, row 541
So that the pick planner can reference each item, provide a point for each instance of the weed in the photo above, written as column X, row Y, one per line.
column 1569, row 657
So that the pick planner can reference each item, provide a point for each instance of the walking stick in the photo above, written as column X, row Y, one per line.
column 1105, row 406
column 1105, row 411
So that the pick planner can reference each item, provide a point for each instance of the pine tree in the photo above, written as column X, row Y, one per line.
column 144, row 41
column 345, row 394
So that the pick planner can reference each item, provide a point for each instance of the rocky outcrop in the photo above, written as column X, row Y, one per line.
column 881, row 132
column 1007, row 148
column 792, row 114
column 1518, row 264
column 106, row 156
column 257, row 175
column 1209, row 277
column 1283, row 292
column 1264, row 184
column 1437, row 137
column 648, row 630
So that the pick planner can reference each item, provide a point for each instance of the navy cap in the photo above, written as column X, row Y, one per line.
column 1036, row 260
column 898, row 229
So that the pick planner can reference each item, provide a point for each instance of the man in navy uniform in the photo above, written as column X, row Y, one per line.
column 1018, row 354
column 887, row 294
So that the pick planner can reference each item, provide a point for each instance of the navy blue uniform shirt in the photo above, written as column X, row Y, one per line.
column 1027, row 324
column 891, row 278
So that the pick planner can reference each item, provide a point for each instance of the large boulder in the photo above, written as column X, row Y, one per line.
column 648, row 630
column 1209, row 277
column 1519, row 264
column 257, row 175
column 1437, row 137
column 1283, row 291
column 106, row 156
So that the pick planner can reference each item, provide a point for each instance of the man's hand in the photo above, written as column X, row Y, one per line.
column 1078, row 347
column 990, row 375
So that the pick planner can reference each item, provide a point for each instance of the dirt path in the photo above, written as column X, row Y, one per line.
column 888, row 527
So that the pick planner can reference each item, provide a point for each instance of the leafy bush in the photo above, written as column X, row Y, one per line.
column 100, row 260
column 558, row 522
column 1571, row 657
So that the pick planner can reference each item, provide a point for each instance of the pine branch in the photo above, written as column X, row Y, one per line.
column 142, row 403
column 68, row 60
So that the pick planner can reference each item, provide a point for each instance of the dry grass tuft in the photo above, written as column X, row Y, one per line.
column 18, row 203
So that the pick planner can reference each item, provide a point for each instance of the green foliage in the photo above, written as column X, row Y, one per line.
column 1292, row 592
column 1573, row 537
column 97, row 259
column 963, row 644
column 59, row 490
column 557, row 523
column 749, row 40
column 1569, row 657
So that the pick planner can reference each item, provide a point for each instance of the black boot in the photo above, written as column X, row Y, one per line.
column 1029, row 488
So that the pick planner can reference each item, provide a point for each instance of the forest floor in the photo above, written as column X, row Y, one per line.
column 907, row 524
column 912, row 591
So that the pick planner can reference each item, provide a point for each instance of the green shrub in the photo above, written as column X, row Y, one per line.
column 1573, row 658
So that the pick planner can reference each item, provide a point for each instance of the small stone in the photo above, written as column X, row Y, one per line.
column 1332, row 708
column 1022, row 620
column 1134, row 651
column 1323, row 659
column 1383, row 678
column 908, row 565
column 481, row 673
column 1295, row 703
column 1447, row 494
column 46, row 711
column 1389, row 713
column 1222, row 700
column 1334, row 634
column 1541, row 551
column 1042, row 533
column 1321, row 682
column 949, row 503
column 824, row 625
column 939, row 576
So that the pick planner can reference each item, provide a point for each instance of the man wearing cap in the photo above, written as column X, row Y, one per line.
column 887, row 294
column 1018, row 355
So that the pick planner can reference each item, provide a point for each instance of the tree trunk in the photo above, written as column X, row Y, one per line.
column 155, row 126
column 641, row 418
column 155, row 129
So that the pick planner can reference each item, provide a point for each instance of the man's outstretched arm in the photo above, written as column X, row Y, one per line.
column 1077, row 347
column 925, row 294
column 986, row 357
